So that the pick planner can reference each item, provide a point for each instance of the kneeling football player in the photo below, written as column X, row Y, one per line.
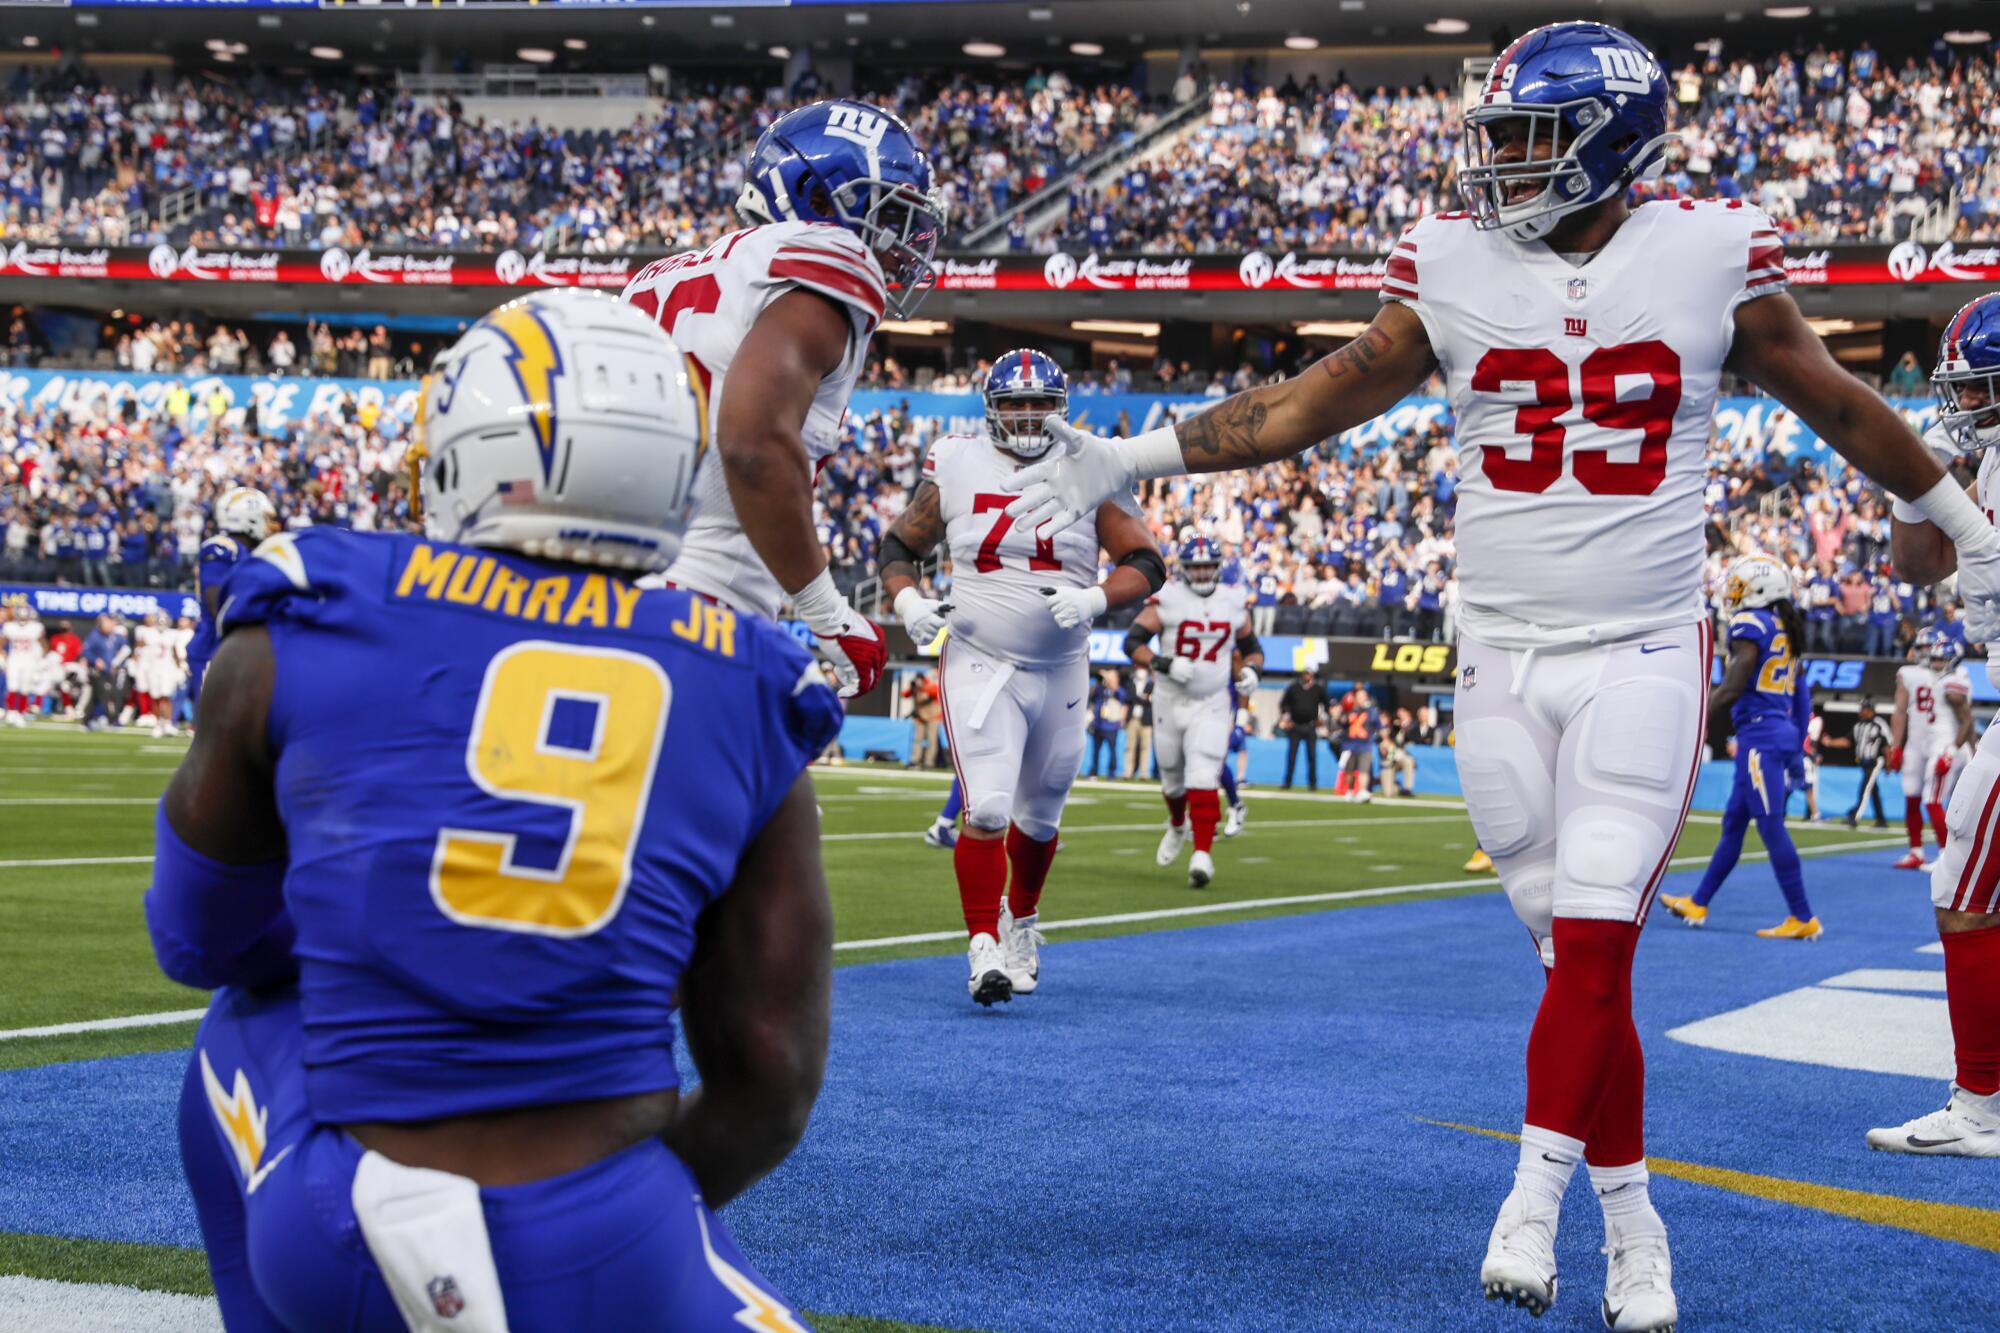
column 1015, row 670
column 437, row 1088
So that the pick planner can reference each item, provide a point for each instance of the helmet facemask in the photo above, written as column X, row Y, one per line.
column 1527, row 194
column 1968, row 405
column 1201, row 576
column 1017, row 423
column 902, row 226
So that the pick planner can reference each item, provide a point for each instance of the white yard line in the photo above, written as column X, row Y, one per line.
column 1156, row 825
column 7, row 770
column 79, row 800
column 1116, row 919
column 76, row 861
column 160, row 1019
column 48, row 1306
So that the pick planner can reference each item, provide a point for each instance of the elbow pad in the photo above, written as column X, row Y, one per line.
column 892, row 550
column 215, row 924
column 1147, row 561
column 1137, row 637
column 1251, row 646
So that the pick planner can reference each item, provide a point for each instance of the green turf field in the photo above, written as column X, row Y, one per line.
column 76, row 814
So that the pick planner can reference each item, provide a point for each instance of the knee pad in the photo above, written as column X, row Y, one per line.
column 1037, row 830
column 1640, row 740
column 989, row 811
column 1606, row 856
column 1531, row 893
column 1508, row 795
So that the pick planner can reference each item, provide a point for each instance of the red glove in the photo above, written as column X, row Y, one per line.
column 1944, row 763
column 1896, row 757
column 857, row 656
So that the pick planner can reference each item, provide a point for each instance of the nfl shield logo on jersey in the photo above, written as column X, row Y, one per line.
column 445, row 1299
column 1579, row 288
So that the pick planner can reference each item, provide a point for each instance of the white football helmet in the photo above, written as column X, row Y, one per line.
column 1755, row 580
column 565, row 425
column 246, row 512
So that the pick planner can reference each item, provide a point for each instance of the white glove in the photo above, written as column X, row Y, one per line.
column 1979, row 589
column 923, row 617
column 1075, row 606
column 1082, row 471
column 1179, row 670
column 1246, row 680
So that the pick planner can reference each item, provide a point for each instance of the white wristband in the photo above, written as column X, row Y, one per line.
column 1947, row 505
column 1904, row 512
column 821, row 606
column 903, row 600
column 1096, row 602
column 1157, row 453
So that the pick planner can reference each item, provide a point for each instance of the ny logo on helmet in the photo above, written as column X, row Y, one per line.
column 1625, row 71
column 857, row 126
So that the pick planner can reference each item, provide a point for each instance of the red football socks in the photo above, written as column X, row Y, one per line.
column 1030, row 861
column 1205, row 809
column 1937, row 822
column 1913, row 822
column 1584, row 1029
column 1177, row 809
column 1618, row 1136
column 1972, row 992
column 981, row 864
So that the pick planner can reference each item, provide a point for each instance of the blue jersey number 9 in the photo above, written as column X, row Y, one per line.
column 603, row 783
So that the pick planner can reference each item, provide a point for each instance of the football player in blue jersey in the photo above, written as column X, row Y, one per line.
column 1769, row 707
column 243, row 517
column 467, row 817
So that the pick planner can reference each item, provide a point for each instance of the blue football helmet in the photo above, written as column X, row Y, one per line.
column 1939, row 649
column 1022, row 389
column 1201, row 565
column 1586, row 106
column 856, row 166
column 1967, row 378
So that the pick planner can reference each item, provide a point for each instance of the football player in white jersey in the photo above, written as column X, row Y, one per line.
column 1965, row 878
column 156, row 669
column 1198, row 620
column 1582, row 341
column 1015, row 671
column 1930, row 726
column 23, row 638
column 841, row 205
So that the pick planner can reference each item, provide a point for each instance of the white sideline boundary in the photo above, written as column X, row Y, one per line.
column 49, row 1306
column 155, row 1020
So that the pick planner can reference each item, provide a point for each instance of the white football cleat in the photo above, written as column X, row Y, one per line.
column 1201, row 869
column 940, row 834
column 1022, row 945
column 1520, row 1265
column 987, row 982
column 1639, row 1285
column 1171, row 843
column 1967, row 1126
column 1232, row 823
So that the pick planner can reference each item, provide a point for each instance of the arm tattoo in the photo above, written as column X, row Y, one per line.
column 1230, row 432
column 920, row 527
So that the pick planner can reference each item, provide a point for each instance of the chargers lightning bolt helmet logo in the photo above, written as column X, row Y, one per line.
column 1967, row 378
column 537, row 364
column 1585, row 105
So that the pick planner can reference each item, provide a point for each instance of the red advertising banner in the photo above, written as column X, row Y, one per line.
column 1063, row 271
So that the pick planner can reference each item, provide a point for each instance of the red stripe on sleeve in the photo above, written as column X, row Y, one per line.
column 1403, row 270
column 868, row 296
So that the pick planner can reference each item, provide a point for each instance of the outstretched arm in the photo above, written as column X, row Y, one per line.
column 1265, row 425
column 1776, row 350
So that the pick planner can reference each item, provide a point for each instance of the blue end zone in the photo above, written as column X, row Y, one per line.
column 1218, row 1128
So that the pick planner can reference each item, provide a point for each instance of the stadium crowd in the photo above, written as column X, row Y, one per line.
column 85, row 163
column 1335, row 542
column 1837, row 145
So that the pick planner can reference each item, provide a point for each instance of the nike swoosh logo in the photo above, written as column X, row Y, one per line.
column 1916, row 1142
column 257, row 1176
column 1559, row 1161
column 1656, row 647
column 1072, row 703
